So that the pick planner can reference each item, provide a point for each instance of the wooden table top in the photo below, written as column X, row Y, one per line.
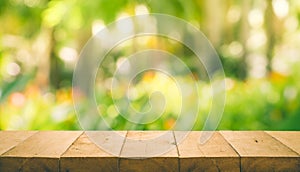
column 149, row 151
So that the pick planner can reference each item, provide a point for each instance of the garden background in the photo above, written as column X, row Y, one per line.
column 258, row 42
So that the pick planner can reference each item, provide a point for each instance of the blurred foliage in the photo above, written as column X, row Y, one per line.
column 258, row 43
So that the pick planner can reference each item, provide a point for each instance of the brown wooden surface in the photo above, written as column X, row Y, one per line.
column 158, row 145
column 261, row 152
column 214, row 155
column 85, row 155
column 146, row 151
column 40, row 152
column 289, row 138
column 10, row 139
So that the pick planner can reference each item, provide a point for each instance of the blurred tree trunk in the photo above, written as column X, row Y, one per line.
column 214, row 21
column 273, row 32
column 43, row 50
column 244, row 35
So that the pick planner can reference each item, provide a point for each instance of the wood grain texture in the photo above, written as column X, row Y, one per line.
column 85, row 155
column 110, row 141
column 214, row 155
column 149, row 151
column 289, row 138
column 261, row 152
column 10, row 139
column 40, row 152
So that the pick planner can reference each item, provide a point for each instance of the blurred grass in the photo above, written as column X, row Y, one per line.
column 256, row 104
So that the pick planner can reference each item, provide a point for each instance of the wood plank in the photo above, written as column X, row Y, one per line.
column 149, row 151
column 289, row 138
column 9, row 139
column 110, row 141
column 214, row 155
column 85, row 155
column 40, row 152
column 260, row 152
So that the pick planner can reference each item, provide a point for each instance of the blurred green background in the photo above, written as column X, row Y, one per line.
column 258, row 42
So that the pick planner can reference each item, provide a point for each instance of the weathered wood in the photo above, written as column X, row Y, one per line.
column 9, row 139
column 40, row 152
column 149, row 151
column 260, row 152
column 289, row 138
column 214, row 155
column 85, row 155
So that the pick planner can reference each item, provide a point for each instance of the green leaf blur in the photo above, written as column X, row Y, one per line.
column 258, row 43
